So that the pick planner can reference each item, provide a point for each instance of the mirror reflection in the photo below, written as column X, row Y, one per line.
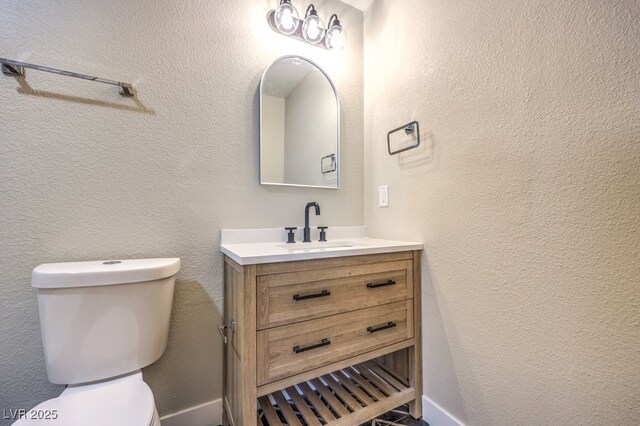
column 299, row 125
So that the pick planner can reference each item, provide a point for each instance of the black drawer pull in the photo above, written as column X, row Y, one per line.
column 372, row 285
column 390, row 324
column 323, row 293
column 323, row 342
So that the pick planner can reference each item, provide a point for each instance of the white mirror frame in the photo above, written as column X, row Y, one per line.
column 335, row 92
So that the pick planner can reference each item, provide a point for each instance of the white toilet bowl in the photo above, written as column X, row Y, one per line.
column 101, row 323
column 126, row 401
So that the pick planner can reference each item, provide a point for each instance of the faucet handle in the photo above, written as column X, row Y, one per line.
column 323, row 233
column 291, row 237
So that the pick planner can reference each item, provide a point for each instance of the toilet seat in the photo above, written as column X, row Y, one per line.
column 121, row 402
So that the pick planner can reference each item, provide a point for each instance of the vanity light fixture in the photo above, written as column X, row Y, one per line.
column 285, row 20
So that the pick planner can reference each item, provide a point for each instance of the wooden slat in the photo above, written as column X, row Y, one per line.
column 285, row 408
column 380, row 384
column 371, row 390
column 359, row 393
column 394, row 375
column 386, row 376
column 316, row 402
column 377, row 409
column 330, row 397
column 344, row 395
column 302, row 406
column 398, row 362
column 269, row 412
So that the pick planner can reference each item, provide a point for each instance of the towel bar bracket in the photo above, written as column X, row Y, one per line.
column 126, row 90
column 12, row 70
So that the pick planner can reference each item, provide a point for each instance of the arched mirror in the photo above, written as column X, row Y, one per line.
column 299, row 125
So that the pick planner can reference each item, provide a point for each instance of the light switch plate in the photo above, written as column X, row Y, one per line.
column 383, row 196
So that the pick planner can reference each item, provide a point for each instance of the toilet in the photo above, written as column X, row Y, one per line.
column 101, row 323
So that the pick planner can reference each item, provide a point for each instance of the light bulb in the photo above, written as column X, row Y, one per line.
column 313, row 27
column 336, row 36
column 287, row 18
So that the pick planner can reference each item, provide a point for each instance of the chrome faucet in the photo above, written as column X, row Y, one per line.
column 307, row 230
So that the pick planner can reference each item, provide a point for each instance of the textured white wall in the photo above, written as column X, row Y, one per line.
column 86, row 174
column 526, row 193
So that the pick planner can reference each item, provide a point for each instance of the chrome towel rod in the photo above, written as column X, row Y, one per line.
column 16, row 68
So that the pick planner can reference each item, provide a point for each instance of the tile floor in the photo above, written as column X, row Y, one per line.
column 395, row 417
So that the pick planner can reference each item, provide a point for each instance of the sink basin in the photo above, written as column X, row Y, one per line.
column 315, row 246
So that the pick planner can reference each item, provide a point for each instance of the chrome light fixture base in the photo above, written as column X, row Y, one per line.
column 297, row 34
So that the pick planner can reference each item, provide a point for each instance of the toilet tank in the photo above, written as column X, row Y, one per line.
column 103, row 319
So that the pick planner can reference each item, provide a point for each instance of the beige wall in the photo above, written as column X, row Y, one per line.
column 525, row 190
column 272, row 152
column 526, row 193
column 86, row 174
column 310, row 131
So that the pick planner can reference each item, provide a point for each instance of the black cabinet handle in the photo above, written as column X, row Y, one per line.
column 323, row 293
column 323, row 342
column 390, row 324
column 372, row 285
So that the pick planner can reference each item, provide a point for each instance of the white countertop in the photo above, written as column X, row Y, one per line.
column 256, row 246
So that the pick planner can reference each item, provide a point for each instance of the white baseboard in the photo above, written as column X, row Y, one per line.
column 207, row 414
column 435, row 415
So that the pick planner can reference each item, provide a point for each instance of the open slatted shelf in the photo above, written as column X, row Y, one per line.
column 346, row 397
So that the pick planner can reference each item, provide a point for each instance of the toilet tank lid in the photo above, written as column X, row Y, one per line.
column 103, row 272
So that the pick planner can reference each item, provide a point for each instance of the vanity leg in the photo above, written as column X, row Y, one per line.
column 415, row 352
column 415, row 380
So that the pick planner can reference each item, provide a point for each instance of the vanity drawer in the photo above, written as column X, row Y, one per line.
column 295, row 348
column 300, row 296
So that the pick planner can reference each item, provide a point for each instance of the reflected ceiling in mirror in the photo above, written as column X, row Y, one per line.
column 299, row 125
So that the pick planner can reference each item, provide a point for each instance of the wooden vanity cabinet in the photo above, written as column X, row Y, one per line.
column 328, row 341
